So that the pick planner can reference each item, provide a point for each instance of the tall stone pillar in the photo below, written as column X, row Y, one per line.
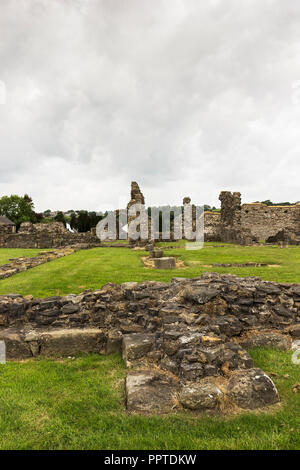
column 187, row 216
column 230, row 208
column 134, row 228
column 231, row 230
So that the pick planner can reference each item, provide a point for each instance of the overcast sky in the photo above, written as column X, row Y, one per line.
column 186, row 97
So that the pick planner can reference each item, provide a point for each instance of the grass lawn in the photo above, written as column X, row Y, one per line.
column 79, row 404
column 90, row 269
column 6, row 254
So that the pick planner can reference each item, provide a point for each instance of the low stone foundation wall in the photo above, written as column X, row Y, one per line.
column 17, row 265
column 185, row 341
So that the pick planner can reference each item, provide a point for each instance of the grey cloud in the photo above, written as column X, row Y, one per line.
column 186, row 97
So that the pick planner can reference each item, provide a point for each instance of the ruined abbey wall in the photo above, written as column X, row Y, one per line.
column 247, row 223
column 261, row 220
column 53, row 235
column 265, row 221
column 211, row 226
column 235, row 223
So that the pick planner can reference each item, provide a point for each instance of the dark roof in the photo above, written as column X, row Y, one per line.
column 5, row 221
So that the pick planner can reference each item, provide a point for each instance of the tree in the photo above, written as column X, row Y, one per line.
column 73, row 221
column 83, row 222
column 28, row 200
column 268, row 202
column 39, row 216
column 60, row 218
column 94, row 219
column 18, row 209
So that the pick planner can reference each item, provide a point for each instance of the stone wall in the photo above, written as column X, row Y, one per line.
column 236, row 223
column 211, row 226
column 18, row 265
column 137, row 199
column 244, row 223
column 266, row 221
column 53, row 235
column 188, row 337
column 230, row 208
column 7, row 229
column 234, row 304
column 231, row 229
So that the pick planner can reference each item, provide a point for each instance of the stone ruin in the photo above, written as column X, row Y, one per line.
column 252, row 223
column 144, row 233
column 235, row 223
column 137, row 198
column 268, row 221
column 185, row 343
column 157, row 260
column 230, row 228
column 230, row 209
column 53, row 235
column 286, row 236
column 18, row 265
column 245, row 224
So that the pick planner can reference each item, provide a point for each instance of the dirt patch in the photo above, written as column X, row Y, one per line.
column 149, row 263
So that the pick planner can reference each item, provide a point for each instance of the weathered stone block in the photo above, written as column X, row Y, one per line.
column 149, row 247
column 156, row 253
column 114, row 342
column 269, row 340
column 201, row 396
column 200, row 295
column 69, row 309
column 165, row 263
column 149, row 390
column 191, row 371
column 16, row 348
column 137, row 345
column 14, row 343
column 252, row 388
column 65, row 342
column 295, row 331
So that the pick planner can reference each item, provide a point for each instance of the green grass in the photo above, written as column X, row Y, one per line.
column 6, row 254
column 79, row 404
column 90, row 269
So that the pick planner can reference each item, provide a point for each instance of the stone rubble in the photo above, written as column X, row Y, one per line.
column 192, row 331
